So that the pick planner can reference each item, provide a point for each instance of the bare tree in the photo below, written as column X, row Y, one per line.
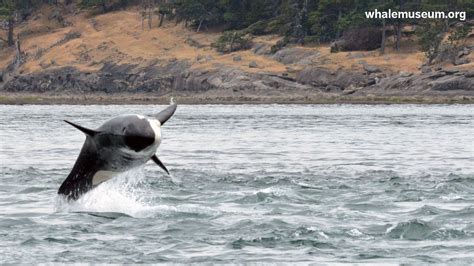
column 147, row 12
column 162, row 17
column 384, row 37
column 399, row 27
column 11, row 23
column 18, row 60
column 150, row 16
column 142, row 16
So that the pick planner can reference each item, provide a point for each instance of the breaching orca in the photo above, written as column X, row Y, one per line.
column 118, row 145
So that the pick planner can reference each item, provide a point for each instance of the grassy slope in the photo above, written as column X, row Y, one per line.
column 118, row 37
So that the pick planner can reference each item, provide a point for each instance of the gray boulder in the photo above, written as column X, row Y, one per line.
column 464, row 51
column 469, row 74
column 450, row 70
column 405, row 74
column 262, row 49
column 426, row 69
column 337, row 46
column 461, row 61
column 202, row 59
column 333, row 88
column 449, row 83
column 193, row 43
column 253, row 64
column 371, row 69
column 437, row 74
column 294, row 55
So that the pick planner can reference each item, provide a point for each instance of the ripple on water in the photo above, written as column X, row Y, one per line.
column 422, row 230
column 427, row 210
column 412, row 230
column 265, row 183
column 18, row 222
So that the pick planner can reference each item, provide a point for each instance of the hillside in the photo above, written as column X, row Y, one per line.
column 94, row 51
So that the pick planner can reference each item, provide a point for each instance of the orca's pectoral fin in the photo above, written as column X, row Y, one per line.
column 159, row 163
column 87, row 131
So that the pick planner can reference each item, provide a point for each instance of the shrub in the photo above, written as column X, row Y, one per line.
column 365, row 38
column 311, row 39
column 257, row 28
column 231, row 41
column 430, row 37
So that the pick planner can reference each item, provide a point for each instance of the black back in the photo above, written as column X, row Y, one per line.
column 79, row 181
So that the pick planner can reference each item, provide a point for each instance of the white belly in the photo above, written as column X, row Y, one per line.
column 102, row 176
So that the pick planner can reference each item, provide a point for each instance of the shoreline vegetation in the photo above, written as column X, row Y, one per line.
column 82, row 52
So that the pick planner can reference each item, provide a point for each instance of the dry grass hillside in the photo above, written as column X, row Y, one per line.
column 118, row 37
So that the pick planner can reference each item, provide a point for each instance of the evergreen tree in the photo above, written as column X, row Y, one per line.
column 10, row 9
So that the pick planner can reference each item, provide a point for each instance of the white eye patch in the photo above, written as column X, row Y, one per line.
column 156, row 126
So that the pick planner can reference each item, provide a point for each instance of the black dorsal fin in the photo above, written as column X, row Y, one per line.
column 165, row 114
column 87, row 131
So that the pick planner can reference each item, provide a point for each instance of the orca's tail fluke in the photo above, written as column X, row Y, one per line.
column 164, row 115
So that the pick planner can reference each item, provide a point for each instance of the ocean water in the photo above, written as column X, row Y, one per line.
column 251, row 183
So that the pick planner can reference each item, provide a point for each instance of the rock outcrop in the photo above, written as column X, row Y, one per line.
column 182, row 77
column 426, row 84
column 321, row 78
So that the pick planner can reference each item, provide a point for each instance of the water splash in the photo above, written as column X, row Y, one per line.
column 124, row 194
column 127, row 195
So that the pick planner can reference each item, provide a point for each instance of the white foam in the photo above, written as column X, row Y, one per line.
column 355, row 232
column 122, row 194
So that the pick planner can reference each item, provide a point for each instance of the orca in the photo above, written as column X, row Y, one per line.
column 120, row 144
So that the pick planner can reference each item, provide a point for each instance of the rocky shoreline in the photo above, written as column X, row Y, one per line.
column 158, row 80
column 147, row 99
